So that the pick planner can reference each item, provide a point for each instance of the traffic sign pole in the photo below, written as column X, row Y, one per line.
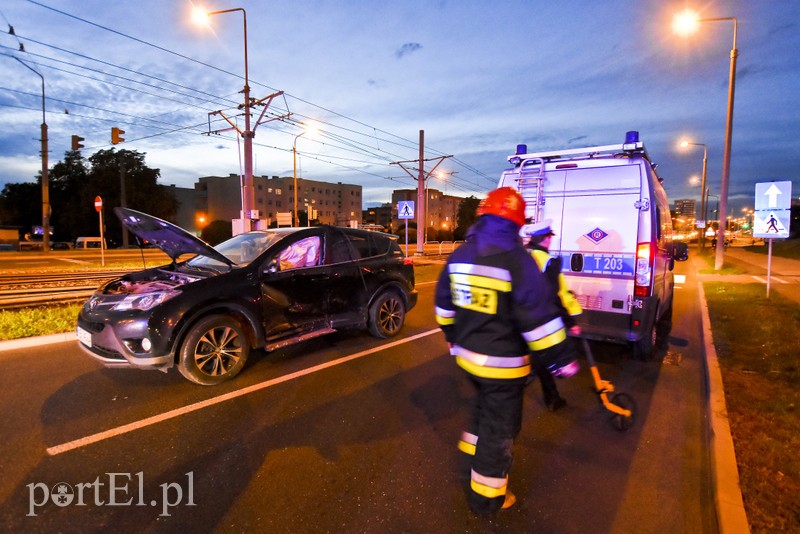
column 98, row 205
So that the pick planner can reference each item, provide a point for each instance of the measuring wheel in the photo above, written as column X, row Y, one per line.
column 623, row 422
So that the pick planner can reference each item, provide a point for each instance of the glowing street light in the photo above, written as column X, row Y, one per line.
column 685, row 23
column 201, row 17
column 685, row 144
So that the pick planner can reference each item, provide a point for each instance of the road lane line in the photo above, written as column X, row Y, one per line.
column 142, row 423
column 759, row 279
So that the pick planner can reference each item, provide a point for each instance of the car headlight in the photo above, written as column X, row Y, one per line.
column 143, row 302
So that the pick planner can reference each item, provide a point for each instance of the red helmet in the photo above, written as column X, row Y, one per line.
column 504, row 202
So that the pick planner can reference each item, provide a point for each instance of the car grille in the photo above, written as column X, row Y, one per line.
column 107, row 353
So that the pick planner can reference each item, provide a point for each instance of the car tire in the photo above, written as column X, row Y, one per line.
column 214, row 350
column 387, row 315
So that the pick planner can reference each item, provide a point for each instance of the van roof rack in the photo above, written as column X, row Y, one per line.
column 586, row 152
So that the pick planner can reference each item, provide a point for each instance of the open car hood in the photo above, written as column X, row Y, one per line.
column 173, row 240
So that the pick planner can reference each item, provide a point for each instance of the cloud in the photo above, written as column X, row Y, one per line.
column 406, row 49
column 577, row 139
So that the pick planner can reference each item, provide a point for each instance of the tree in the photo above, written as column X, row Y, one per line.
column 465, row 217
column 66, row 179
column 74, row 184
column 108, row 170
column 21, row 205
column 216, row 232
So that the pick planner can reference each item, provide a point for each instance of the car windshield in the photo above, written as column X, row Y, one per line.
column 240, row 249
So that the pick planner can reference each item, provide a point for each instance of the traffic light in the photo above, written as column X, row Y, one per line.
column 76, row 142
column 115, row 136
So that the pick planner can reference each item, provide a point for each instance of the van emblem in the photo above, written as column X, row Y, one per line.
column 597, row 235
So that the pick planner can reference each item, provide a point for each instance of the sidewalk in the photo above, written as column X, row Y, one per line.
column 784, row 272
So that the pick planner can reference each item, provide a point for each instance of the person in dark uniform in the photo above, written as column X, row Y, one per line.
column 495, row 309
column 538, row 237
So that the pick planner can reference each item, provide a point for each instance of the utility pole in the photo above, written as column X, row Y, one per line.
column 421, row 177
column 247, row 134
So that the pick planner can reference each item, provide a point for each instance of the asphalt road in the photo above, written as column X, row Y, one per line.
column 346, row 434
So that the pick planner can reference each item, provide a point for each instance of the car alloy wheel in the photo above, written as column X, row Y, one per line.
column 387, row 315
column 215, row 350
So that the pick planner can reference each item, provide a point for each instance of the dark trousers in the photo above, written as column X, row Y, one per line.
column 549, row 388
column 496, row 421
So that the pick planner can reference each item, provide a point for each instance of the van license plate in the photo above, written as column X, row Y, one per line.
column 84, row 336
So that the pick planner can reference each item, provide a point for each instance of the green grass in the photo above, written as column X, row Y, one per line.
column 28, row 322
column 759, row 355
column 785, row 248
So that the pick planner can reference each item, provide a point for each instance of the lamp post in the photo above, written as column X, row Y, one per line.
column 685, row 144
column 295, row 218
column 685, row 23
column 45, row 176
column 247, row 134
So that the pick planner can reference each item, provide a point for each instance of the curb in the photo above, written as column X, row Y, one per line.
column 38, row 341
column 731, row 515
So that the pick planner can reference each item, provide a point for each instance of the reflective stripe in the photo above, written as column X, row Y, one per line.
column 445, row 317
column 441, row 312
column 480, row 281
column 545, row 330
column 497, row 273
column 485, row 360
column 467, row 443
column 489, row 487
column 548, row 341
column 493, row 372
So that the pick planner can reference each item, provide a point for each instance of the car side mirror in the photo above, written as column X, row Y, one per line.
column 680, row 251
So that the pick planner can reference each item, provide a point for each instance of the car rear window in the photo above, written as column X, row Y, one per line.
column 359, row 246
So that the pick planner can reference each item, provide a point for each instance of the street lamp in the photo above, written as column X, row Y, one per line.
column 45, row 176
column 685, row 144
column 294, row 159
column 200, row 15
column 687, row 22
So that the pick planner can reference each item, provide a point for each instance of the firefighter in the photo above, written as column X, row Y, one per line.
column 495, row 308
column 537, row 238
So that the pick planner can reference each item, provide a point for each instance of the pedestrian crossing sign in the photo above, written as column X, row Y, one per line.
column 405, row 209
column 772, row 210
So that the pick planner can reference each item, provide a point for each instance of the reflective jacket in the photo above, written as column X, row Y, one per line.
column 551, row 267
column 494, row 304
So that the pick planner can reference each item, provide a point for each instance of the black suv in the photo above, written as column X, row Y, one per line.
column 262, row 289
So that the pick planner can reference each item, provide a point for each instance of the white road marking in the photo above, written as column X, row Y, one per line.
column 136, row 425
column 72, row 261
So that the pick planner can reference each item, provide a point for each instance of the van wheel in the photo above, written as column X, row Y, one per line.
column 387, row 315
column 645, row 348
column 664, row 327
column 215, row 350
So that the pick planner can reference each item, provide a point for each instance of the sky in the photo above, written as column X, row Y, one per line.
column 363, row 78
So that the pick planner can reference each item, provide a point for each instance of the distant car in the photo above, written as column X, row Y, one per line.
column 60, row 245
column 263, row 289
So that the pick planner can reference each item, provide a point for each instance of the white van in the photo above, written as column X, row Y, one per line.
column 83, row 243
column 613, row 234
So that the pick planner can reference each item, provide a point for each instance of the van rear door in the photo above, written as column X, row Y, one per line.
column 597, row 239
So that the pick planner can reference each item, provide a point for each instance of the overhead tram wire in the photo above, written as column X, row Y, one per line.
column 377, row 138
column 75, row 65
